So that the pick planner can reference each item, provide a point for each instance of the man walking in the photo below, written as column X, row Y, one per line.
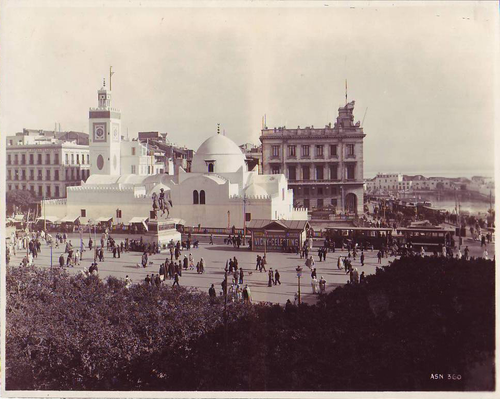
column 277, row 277
column 176, row 280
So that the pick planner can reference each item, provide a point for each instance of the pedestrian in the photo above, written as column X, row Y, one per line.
column 485, row 253
column 61, row 260
column 320, row 254
column 466, row 252
column 379, row 257
column 270, row 280
column 263, row 263
column 211, row 292
column 147, row 279
column 118, row 250
column 144, row 259
column 202, row 266
column 314, row 285
column 242, row 275
column 176, row 280
column 322, row 285
column 211, row 241
column 362, row 279
column 128, row 282
column 257, row 264
column 355, row 276
column 157, row 280
column 185, row 262
column 340, row 263
column 277, row 277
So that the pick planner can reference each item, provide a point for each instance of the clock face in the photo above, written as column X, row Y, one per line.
column 99, row 132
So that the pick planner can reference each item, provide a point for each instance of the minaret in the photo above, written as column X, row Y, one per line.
column 105, row 135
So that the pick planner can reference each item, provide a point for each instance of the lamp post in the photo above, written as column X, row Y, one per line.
column 81, row 241
column 44, row 220
column 51, row 245
column 228, row 220
column 265, row 242
column 299, row 275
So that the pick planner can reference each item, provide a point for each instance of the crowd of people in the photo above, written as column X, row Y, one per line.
column 234, row 286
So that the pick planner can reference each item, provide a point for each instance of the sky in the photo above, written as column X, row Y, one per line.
column 422, row 74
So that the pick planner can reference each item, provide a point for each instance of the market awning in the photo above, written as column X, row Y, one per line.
column 19, row 218
column 104, row 219
column 137, row 219
column 51, row 219
column 182, row 222
column 69, row 219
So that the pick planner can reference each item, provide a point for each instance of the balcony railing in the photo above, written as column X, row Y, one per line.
column 313, row 181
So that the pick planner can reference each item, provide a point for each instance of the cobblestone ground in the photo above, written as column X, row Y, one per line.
column 215, row 257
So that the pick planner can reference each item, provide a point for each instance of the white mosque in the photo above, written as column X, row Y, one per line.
column 218, row 192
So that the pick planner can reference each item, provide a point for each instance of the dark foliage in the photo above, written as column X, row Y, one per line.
column 19, row 199
column 412, row 319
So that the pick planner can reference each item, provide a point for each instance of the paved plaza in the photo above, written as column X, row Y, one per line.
column 215, row 257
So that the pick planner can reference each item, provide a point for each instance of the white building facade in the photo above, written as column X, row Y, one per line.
column 47, row 162
column 217, row 193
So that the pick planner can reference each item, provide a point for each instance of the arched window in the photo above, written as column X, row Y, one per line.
column 195, row 197
column 202, row 196
column 210, row 168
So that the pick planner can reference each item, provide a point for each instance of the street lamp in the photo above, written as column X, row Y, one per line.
column 265, row 242
column 299, row 275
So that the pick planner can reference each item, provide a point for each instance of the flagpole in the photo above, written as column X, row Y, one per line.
column 346, row 92
column 110, row 74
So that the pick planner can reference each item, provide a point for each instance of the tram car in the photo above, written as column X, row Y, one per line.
column 430, row 238
column 366, row 237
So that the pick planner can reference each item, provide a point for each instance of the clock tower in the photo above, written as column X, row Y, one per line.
column 104, row 135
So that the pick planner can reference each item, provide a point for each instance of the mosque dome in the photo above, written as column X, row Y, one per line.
column 253, row 190
column 218, row 154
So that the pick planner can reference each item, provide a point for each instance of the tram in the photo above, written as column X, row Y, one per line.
column 363, row 236
column 426, row 237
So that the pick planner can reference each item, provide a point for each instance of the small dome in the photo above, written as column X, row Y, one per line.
column 222, row 152
column 254, row 190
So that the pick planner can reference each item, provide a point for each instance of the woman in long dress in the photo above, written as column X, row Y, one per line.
column 314, row 285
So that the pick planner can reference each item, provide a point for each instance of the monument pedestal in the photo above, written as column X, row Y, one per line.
column 161, row 232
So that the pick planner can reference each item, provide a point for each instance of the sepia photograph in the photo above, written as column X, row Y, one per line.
column 248, row 199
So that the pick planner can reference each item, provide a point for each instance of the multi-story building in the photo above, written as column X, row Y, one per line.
column 253, row 154
column 324, row 166
column 169, row 154
column 388, row 183
column 140, row 159
column 46, row 162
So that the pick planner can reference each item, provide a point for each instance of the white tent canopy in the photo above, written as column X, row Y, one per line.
column 19, row 218
column 51, row 219
column 69, row 219
column 137, row 219
column 104, row 219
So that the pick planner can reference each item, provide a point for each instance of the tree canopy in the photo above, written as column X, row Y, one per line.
column 410, row 320
column 23, row 199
